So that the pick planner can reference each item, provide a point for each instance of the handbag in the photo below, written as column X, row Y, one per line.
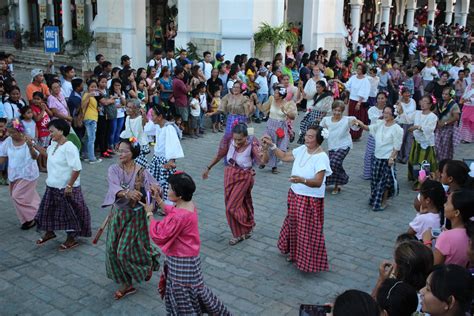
column 424, row 165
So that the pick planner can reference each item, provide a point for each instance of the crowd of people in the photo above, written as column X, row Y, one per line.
column 416, row 114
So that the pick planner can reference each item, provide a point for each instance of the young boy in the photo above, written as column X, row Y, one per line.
column 3, row 166
column 195, row 114
column 261, row 85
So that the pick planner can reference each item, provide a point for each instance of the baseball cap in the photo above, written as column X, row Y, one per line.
column 219, row 55
column 36, row 72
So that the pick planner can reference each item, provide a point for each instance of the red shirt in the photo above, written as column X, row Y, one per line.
column 41, row 125
column 180, row 93
column 177, row 234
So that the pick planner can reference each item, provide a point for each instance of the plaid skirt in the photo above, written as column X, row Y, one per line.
column 129, row 254
column 301, row 236
column 406, row 144
column 361, row 114
column 310, row 119
column 58, row 212
column 446, row 138
column 185, row 291
column 369, row 158
column 141, row 159
column 160, row 173
column 282, row 143
column 238, row 184
column 382, row 180
column 417, row 156
column 230, row 122
column 339, row 175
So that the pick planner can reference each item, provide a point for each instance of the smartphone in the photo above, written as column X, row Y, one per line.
column 314, row 310
column 435, row 232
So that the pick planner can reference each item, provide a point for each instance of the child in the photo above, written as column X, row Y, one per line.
column 41, row 114
column 27, row 120
column 3, row 136
column 203, row 104
column 142, row 94
column 134, row 123
column 374, row 83
column 195, row 114
column 432, row 199
column 214, row 114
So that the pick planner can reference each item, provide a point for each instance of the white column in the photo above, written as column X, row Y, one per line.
column 236, row 40
column 401, row 11
column 355, row 21
column 50, row 10
column 24, row 15
column 386, row 16
column 67, row 20
column 431, row 11
column 463, row 18
column 182, row 38
column 89, row 18
column 279, row 18
column 449, row 12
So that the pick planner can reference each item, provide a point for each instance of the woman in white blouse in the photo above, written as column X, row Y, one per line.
column 429, row 73
column 301, row 236
column 23, row 173
column 310, row 87
column 63, row 206
column 339, row 143
column 134, row 123
column 388, row 140
column 423, row 147
column 409, row 106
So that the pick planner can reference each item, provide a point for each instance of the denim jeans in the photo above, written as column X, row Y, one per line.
column 112, row 129
column 91, row 128
column 262, row 98
column 118, row 129
column 201, row 120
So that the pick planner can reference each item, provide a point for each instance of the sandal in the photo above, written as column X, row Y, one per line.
column 45, row 238
column 68, row 245
column 234, row 241
column 275, row 170
column 122, row 293
column 28, row 225
column 336, row 191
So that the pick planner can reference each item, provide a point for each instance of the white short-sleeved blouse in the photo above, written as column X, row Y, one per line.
column 61, row 164
column 20, row 163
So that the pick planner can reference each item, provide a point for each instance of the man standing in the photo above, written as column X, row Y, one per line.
column 125, row 62
column 206, row 65
column 169, row 60
column 219, row 59
column 155, row 62
column 66, row 87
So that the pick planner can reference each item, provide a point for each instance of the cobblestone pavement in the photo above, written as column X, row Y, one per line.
column 252, row 278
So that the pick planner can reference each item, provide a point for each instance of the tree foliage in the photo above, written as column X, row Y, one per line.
column 273, row 35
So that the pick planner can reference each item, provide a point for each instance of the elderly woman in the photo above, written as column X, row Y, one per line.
column 310, row 88
column 301, row 236
column 63, row 206
column 129, row 255
column 359, row 89
column 23, row 173
column 323, row 100
column 423, row 126
column 57, row 103
column 241, row 153
column 177, row 235
column 388, row 139
column 278, row 111
column 339, row 143
column 446, row 132
column 167, row 149
column 236, row 106
column 466, row 130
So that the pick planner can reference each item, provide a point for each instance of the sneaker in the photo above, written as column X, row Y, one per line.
column 93, row 162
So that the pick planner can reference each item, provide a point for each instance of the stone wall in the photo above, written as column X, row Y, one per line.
column 109, row 45
column 206, row 44
column 336, row 43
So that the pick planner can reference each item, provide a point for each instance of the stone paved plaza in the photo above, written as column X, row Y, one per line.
column 251, row 278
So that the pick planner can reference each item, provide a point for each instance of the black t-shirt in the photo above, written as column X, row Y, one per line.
column 214, row 84
column 305, row 74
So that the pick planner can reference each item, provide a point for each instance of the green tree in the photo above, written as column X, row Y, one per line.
column 273, row 35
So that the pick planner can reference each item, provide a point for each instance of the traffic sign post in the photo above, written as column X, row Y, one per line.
column 51, row 42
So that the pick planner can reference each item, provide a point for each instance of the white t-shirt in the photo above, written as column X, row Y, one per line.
column 66, row 89
column 167, row 141
column 429, row 74
column 120, row 110
column 157, row 65
column 374, row 85
column 408, row 109
column 195, row 107
column 273, row 81
column 134, row 128
column 310, row 91
column 20, row 163
column 386, row 138
column 339, row 136
column 170, row 63
column 422, row 222
column 203, row 102
column 30, row 128
column 263, row 84
column 61, row 164
column 307, row 166
column 206, row 69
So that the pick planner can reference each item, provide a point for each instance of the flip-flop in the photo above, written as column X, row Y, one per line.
column 44, row 239
column 119, row 294
column 65, row 247
column 28, row 225
column 234, row 241
column 336, row 191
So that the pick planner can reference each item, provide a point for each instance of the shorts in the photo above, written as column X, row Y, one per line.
column 216, row 118
column 194, row 122
column 183, row 112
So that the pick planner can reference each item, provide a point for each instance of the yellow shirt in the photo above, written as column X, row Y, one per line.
column 92, row 112
column 250, row 82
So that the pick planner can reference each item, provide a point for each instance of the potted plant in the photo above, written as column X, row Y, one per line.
column 80, row 46
column 275, row 36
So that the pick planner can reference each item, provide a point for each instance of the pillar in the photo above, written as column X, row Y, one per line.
column 182, row 38
column 80, row 14
column 88, row 15
column 431, row 11
column 411, row 7
column 67, row 20
column 386, row 17
column 43, row 12
column 356, row 7
column 50, row 11
column 449, row 12
column 279, row 18
column 401, row 11
column 24, row 15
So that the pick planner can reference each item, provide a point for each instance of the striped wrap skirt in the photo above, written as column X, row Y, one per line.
column 282, row 143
